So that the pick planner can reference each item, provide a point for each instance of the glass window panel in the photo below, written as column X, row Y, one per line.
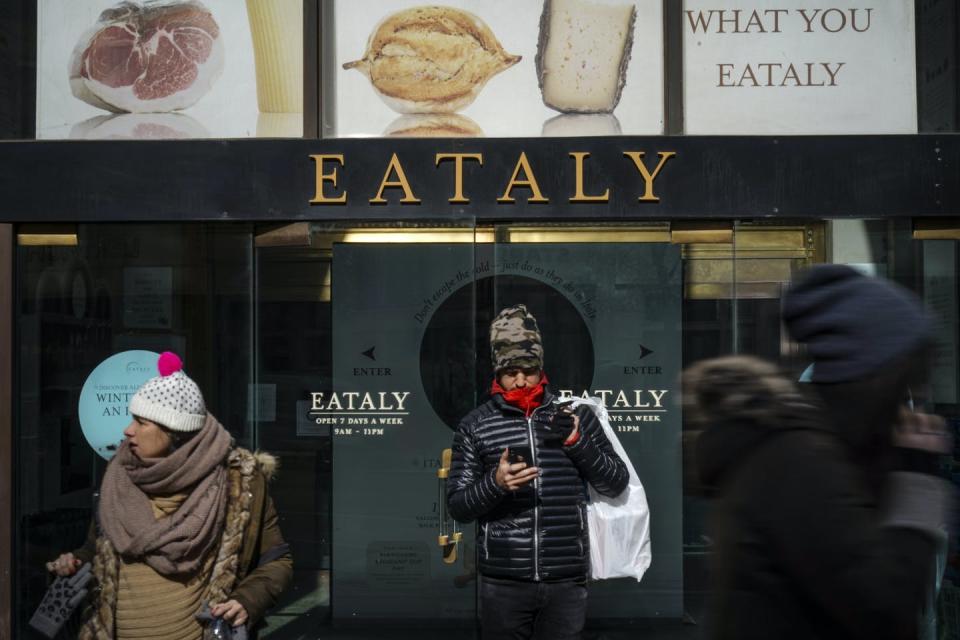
column 352, row 351
column 88, row 293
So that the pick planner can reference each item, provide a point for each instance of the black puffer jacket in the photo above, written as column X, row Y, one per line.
column 540, row 531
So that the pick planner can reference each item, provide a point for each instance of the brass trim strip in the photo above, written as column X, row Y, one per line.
column 700, row 240
column 718, row 252
column 730, row 291
column 772, row 238
column 412, row 236
column 304, row 234
column 701, row 231
column 701, row 236
column 47, row 235
column 586, row 235
column 936, row 228
column 488, row 235
column 943, row 234
column 47, row 240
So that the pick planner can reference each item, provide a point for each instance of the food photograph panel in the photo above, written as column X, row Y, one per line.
column 498, row 68
column 168, row 69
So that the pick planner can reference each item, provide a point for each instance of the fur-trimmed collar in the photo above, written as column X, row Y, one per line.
column 266, row 463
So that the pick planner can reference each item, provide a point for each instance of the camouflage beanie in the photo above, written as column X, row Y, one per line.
column 515, row 339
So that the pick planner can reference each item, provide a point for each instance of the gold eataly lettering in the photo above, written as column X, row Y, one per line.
column 529, row 181
column 327, row 178
column 319, row 197
column 458, row 158
column 580, row 196
column 648, row 177
column 401, row 182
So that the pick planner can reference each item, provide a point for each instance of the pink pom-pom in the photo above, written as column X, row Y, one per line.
column 169, row 363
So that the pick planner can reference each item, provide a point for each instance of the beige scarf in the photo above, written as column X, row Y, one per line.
column 177, row 544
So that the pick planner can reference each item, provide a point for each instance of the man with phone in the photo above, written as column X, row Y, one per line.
column 520, row 461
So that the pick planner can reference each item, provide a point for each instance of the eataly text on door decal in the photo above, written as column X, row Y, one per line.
column 329, row 165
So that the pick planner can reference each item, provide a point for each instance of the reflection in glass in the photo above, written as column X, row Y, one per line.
column 139, row 126
column 279, row 125
column 582, row 124
column 433, row 125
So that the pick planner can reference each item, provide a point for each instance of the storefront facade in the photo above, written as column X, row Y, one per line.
column 331, row 293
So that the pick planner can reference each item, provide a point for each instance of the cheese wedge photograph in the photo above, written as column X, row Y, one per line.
column 583, row 54
column 535, row 59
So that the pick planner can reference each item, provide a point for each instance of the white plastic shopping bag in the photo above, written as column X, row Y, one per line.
column 619, row 527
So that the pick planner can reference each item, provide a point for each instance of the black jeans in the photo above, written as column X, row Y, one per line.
column 517, row 610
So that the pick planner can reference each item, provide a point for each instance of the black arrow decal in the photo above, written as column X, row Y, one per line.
column 369, row 353
column 644, row 352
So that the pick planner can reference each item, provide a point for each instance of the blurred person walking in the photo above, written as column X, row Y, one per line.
column 829, row 506
column 184, row 522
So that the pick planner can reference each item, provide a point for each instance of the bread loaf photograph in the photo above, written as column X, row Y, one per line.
column 511, row 67
column 431, row 59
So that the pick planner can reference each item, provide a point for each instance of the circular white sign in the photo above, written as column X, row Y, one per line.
column 105, row 397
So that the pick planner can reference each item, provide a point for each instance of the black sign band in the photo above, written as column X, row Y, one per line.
column 616, row 179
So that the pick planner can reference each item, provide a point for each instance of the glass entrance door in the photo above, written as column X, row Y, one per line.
column 365, row 342
column 372, row 343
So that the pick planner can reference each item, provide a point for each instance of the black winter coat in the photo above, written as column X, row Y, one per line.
column 538, row 532
column 801, row 547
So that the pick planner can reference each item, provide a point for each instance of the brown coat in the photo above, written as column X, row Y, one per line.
column 253, row 564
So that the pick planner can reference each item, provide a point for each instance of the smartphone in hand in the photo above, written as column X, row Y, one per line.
column 520, row 453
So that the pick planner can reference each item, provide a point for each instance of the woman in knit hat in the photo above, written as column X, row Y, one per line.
column 184, row 523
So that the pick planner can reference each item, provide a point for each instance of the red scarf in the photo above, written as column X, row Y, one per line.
column 525, row 398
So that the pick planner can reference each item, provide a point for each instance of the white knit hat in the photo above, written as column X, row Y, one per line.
column 171, row 399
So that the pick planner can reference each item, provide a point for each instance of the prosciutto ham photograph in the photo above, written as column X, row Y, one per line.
column 148, row 58
column 169, row 69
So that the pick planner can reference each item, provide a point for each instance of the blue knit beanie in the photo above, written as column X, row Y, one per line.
column 852, row 324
